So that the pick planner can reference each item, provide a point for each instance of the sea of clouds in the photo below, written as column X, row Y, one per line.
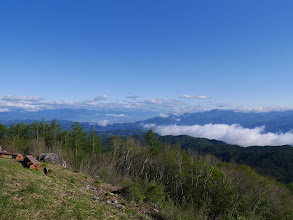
column 231, row 134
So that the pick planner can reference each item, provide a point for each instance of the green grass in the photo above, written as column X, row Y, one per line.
column 63, row 194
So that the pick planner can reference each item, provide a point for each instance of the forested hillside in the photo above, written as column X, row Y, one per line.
column 274, row 161
column 179, row 183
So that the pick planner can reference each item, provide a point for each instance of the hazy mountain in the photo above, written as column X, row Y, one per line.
column 275, row 121
column 278, row 121
column 103, row 117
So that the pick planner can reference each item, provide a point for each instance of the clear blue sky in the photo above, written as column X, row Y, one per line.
column 236, row 53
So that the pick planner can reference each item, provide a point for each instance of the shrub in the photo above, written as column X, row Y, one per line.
column 72, row 180
column 97, row 183
column 155, row 192
column 144, row 191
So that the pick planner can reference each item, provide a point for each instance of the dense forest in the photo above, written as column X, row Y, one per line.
column 180, row 183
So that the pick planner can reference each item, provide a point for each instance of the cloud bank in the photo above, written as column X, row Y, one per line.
column 161, row 107
column 231, row 134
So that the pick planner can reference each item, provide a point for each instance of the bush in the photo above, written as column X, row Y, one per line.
column 97, row 183
column 72, row 180
column 290, row 186
column 155, row 192
column 143, row 191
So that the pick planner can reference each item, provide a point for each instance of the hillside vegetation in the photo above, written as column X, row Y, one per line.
column 273, row 161
column 63, row 194
column 173, row 182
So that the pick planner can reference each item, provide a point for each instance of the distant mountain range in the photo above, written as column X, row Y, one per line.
column 281, row 121
column 275, row 121
column 103, row 117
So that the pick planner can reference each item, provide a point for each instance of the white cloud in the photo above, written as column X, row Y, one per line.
column 4, row 110
column 116, row 116
column 155, row 106
column 232, row 134
column 48, row 102
column 104, row 122
column 101, row 97
column 162, row 115
column 264, row 109
column 152, row 101
column 148, row 125
column 194, row 97
column 20, row 98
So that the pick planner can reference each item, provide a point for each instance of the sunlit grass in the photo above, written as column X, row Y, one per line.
column 63, row 194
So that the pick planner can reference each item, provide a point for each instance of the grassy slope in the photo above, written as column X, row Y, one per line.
column 63, row 194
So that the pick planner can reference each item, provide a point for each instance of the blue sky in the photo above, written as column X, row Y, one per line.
column 159, row 56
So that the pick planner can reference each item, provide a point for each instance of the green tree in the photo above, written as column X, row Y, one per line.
column 3, row 130
column 78, row 137
column 152, row 140
column 35, row 130
column 95, row 142
column 21, row 130
column 53, row 133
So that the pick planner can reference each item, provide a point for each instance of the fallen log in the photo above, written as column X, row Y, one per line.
column 31, row 163
column 14, row 156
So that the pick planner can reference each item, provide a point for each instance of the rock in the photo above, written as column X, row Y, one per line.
column 46, row 171
column 50, row 157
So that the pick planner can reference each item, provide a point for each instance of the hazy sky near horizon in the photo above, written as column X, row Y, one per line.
column 161, row 54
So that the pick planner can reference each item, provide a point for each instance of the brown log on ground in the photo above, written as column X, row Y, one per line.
column 31, row 162
column 19, row 157
column 14, row 156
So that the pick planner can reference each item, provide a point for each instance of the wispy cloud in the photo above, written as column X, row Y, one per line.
column 232, row 134
column 116, row 115
column 194, row 97
column 148, row 125
column 158, row 106
column 20, row 98
column 133, row 97
column 31, row 103
column 263, row 109
column 4, row 110
column 101, row 97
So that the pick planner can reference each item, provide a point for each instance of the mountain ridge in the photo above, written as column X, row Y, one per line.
column 274, row 121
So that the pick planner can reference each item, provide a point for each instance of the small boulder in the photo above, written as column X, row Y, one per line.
column 51, row 157
column 46, row 171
